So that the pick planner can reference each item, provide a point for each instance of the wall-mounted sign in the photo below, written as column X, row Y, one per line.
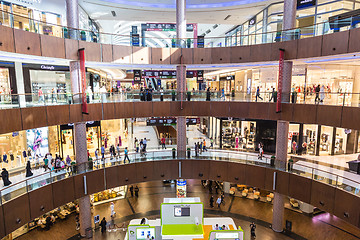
column 200, row 76
column 200, row 41
column 135, row 40
column 170, row 121
column 305, row 3
column 252, row 21
column 137, row 76
column 164, row 27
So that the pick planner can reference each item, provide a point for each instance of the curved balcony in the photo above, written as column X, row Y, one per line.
column 50, row 112
column 30, row 198
column 105, row 49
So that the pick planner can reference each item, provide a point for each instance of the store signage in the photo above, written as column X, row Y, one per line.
column 252, row 21
column 134, row 29
column 200, row 76
column 305, row 3
column 280, row 80
column 164, row 27
column 46, row 67
column 137, row 76
column 166, row 74
column 84, row 108
column 135, row 40
column 29, row 2
column 200, row 41
column 96, row 219
column 170, row 121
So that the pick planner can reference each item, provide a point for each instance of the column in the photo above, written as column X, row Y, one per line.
column 181, row 77
column 72, row 16
column 355, row 100
column 20, row 84
column 289, row 19
column 278, row 212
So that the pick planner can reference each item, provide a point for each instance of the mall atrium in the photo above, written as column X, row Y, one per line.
column 180, row 119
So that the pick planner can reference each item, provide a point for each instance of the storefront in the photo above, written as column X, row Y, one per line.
column 227, row 83
column 108, row 195
column 270, row 20
column 23, row 15
column 321, row 140
column 114, row 132
column 66, row 134
column 7, row 82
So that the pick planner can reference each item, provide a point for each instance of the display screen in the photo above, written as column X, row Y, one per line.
column 182, row 211
column 142, row 233
column 226, row 235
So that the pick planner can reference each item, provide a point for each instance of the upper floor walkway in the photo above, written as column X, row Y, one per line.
column 30, row 198
column 334, row 41
column 59, row 109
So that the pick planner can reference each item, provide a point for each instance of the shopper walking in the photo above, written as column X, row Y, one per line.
column 102, row 153
column 218, row 202
column 322, row 94
column 261, row 151
column 204, row 145
column 126, row 152
column 118, row 150
column 212, row 201
column 252, row 230
column 273, row 95
column 163, row 143
column 103, row 225
column 258, row 94
column 196, row 150
column 131, row 190
column 145, row 144
column 41, row 95
column 136, row 190
column 5, row 177
column 211, row 142
column 28, row 169
column 317, row 91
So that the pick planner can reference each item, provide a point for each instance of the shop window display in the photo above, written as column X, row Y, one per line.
column 108, row 195
column 310, row 134
column 4, row 85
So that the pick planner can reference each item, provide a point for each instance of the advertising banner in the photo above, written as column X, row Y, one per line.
column 137, row 76
column 280, row 80
column 83, row 80
column 200, row 41
column 200, row 76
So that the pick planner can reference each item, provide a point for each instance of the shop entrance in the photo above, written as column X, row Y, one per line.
column 67, row 147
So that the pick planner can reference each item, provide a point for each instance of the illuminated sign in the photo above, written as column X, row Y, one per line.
column 226, row 235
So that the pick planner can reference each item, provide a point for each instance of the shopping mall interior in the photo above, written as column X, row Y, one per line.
column 180, row 120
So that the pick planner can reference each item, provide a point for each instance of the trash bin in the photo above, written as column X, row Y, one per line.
column 174, row 153
column 188, row 153
column 288, row 225
column 272, row 161
column 88, row 233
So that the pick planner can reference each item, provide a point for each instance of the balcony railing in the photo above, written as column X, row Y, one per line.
column 60, row 31
column 32, row 183
column 51, row 99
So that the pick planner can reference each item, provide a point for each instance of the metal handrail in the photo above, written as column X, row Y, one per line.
column 129, row 36
column 222, row 155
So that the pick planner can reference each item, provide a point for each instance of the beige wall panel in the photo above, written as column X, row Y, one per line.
column 7, row 43
column 202, row 55
column 220, row 55
column 141, row 55
column 122, row 54
column 52, row 46
column 71, row 49
column 309, row 47
column 27, row 42
column 335, row 43
column 92, row 51
column 106, row 51
column 239, row 54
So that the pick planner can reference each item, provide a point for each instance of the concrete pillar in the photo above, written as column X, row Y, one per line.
column 355, row 99
column 20, row 84
column 278, row 212
column 72, row 16
column 282, row 132
column 181, row 76
column 181, row 23
column 289, row 19
column 226, row 187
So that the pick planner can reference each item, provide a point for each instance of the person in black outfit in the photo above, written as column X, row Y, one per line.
column 317, row 91
column 212, row 201
column 131, row 190
column 136, row 191
column 252, row 230
column 5, row 177
column 103, row 225
column 28, row 169
column 208, row 94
